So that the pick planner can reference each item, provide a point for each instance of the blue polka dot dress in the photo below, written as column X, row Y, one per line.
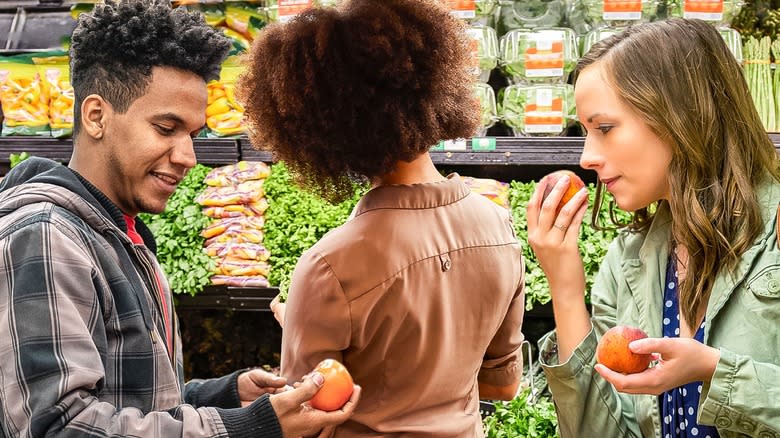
column 679, row 405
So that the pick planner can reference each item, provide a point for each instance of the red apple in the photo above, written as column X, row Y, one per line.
column 613, row 351
column 575, row 184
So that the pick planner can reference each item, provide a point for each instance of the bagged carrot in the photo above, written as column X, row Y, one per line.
column 256, row 208
column 23, row 97
column 237, row 173
column 55, row 74
column 244, row 251
column 237, row 236
column 247, row 192
column 221, row 226
column 239, row 267
column 251, row 281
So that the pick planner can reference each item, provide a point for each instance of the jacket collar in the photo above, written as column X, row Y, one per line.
column 414, row 196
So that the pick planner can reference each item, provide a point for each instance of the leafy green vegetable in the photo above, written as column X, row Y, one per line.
column 515, row 99
column 520, row 418
column 593, row 243
column 487, row 49
column 487, row 103
column 177, row 231
column 521, row 66
column 296, row 220
column 15, row 159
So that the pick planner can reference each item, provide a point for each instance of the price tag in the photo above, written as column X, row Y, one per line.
column 455, row 145
column 544, row 56
column 290, row 8
column 483, row 144
column 622, row 9
column 709, row 10
column 544, row 114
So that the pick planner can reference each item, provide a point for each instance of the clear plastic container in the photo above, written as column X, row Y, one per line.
column 488, row 111
column 484, row 51
column 538, row 56
column 734, row 40
column 474, row 11
column 595, row 36
column 586, row 15
column 720, row 12
column 529, row 14
column 539, row 110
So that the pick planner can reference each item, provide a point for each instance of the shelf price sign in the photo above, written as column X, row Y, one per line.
column 290, row 8
column 544, row 114
column 710, row 10
column 463, row 8
column 622, row 9
column 544, row 55
column 483, row 144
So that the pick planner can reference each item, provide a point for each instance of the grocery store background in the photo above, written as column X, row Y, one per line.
column 233, row 231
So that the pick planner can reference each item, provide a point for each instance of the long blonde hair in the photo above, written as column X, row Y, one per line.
column 682, row 79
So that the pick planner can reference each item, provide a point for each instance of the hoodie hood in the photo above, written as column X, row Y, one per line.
column 42, row 180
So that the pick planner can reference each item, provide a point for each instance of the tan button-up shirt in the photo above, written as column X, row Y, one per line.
column 420, row 295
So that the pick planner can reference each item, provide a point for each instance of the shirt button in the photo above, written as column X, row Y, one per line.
column 447, row 265
column 773, row 285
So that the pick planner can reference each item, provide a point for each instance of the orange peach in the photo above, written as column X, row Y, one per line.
column 613, row 351
column 575, row 184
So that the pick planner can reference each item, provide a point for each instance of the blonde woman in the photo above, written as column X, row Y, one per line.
column 674, row 136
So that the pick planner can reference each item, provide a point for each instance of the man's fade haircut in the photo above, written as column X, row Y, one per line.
column 114, row 48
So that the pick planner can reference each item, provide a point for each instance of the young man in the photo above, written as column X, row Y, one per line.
column 89, row 340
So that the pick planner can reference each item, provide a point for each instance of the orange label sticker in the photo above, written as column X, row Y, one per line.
column 710, row 10
column 476, row 37
column 544, row 114
column 622, row 9
column 463, row 8
column 291, row 8
column 544, row 55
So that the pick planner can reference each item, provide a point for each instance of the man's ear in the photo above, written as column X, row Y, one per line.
column 94, row 114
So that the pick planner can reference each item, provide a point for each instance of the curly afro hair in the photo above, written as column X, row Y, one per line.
column 114, row 48
column 344, row 93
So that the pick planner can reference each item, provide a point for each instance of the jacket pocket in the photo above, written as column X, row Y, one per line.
column 766, row 283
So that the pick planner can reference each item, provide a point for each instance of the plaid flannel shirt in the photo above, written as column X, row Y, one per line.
column 82, row 345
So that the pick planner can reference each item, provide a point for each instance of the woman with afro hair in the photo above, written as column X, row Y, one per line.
column 420, row 293
column 89, row 340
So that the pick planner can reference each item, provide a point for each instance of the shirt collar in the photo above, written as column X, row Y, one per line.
column 414, row 196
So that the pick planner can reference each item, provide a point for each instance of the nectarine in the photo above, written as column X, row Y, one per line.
column 336, row 390
column 575, row 184
column 613, row 351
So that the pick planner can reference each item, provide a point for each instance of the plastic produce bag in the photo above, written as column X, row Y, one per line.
column 540, row 110
column 227, row 280
column 237, row 210
column 24, row 99
column 233, row 174
column 55, row 72
column 223, row 113
column 220, row 226
column 244, row 251
column 247, row 192
column 246, row 18
column 496, row 191
column 538, row 56
column 244, row 235
column 239, row 267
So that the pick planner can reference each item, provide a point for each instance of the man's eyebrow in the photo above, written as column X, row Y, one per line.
column 171, row 117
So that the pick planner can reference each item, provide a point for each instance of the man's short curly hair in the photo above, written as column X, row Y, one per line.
column 346, row 92
column 114, row 48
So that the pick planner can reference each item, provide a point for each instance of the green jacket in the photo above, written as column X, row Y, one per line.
column 743, row 321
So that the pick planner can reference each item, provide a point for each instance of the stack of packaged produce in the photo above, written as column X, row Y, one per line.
column 235, row 200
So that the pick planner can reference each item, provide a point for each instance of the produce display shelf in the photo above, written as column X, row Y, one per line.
column 519, row 151
column 229, row 298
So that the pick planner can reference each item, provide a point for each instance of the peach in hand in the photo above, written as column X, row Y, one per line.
column 613, row 351
column 575, row 184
